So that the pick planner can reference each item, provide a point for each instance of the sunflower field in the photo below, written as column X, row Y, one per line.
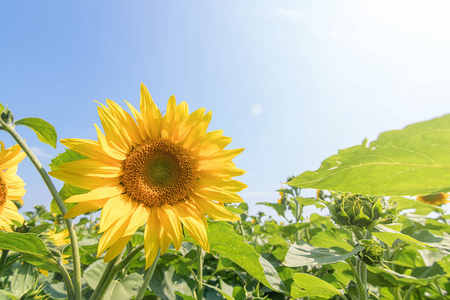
column 152, row 210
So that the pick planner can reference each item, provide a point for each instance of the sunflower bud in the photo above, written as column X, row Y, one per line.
column 359, row 210
column 372, row 253
column 7, row 116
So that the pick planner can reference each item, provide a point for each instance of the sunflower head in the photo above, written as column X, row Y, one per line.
column 372, row 254
column 359, row 210
column 435, row 199
column 11, row 186
column 164, row 172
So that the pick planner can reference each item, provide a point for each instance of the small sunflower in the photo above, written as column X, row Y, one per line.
column 59, row 239
column 164, row 172
column 11, row 186
column 435, row 199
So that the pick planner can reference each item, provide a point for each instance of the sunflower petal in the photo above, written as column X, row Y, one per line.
column 215, row 211
column 193, row 224
column 151, row 238
column 85, row 207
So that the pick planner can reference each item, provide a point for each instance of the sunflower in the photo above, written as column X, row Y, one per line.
column 11, row 186
column 164, row 172
column 435, row 199
column 59, row 239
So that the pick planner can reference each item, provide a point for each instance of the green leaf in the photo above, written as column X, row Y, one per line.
column 165, row 283
column 392, row 278
column 306, row 285
column 306, row 255
column 56, row 290
column 23, row 279
column 45, row 132
column 307, row 201
column 66, row 191
column 411, row 161
column 224, row 241
column 29, row 244
column 93, row 273
column 65, row 157
column 40, row 228
column 420, row 207
column 225, row 295
column 389, row 236
column 2, row 108
column 7, row 295
column 332, row 238
column 280, row 208
column 125, row 289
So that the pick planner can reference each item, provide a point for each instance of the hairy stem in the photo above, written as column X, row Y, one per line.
column 67, row 281
column 200, row 288
column 362, row 294
column 73, row 237
column 148, row 277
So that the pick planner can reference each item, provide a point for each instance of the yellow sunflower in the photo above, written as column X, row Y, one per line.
column 165, row 172
column 435, row 199
column 59, row 239
column 11, row 186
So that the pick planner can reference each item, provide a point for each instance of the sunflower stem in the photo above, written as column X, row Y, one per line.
column 362, row 294
column 73, row 237
column 67, row 281
column 200, row 288
column 105, row 280
column 148, row 277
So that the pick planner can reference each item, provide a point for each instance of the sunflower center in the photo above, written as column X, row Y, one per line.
column 3, row 191
column 159, row 172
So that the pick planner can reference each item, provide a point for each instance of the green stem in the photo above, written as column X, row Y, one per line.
column 105, row 280
column 110, row 272
column 297, row 212
column 148, row 277
column 200, row 288
column 67, row 281
column 73, row 237
column 242, row 229
column 3, row 259
column 407, row 294
column 362, row 294
column 122, row 264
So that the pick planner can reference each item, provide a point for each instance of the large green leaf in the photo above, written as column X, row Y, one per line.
column 45, row 131
column 280, row 208
column 23, row 279
column 306, row 255
column 420, row 207
column 224, row 241
column 332, row 238
column 306, row 285
column 29, row 244
column 166, row 284
column 411, row 161
column 389, row 236
column 124, row 289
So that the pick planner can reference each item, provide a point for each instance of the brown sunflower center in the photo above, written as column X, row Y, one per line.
column 3, row 191
column 159, row 172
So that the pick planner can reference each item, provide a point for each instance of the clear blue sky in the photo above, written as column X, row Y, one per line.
column 290, row 81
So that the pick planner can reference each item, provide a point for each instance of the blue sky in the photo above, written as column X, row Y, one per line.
column 290, row 81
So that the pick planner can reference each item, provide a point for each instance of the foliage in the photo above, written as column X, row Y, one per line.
column 354, row 246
